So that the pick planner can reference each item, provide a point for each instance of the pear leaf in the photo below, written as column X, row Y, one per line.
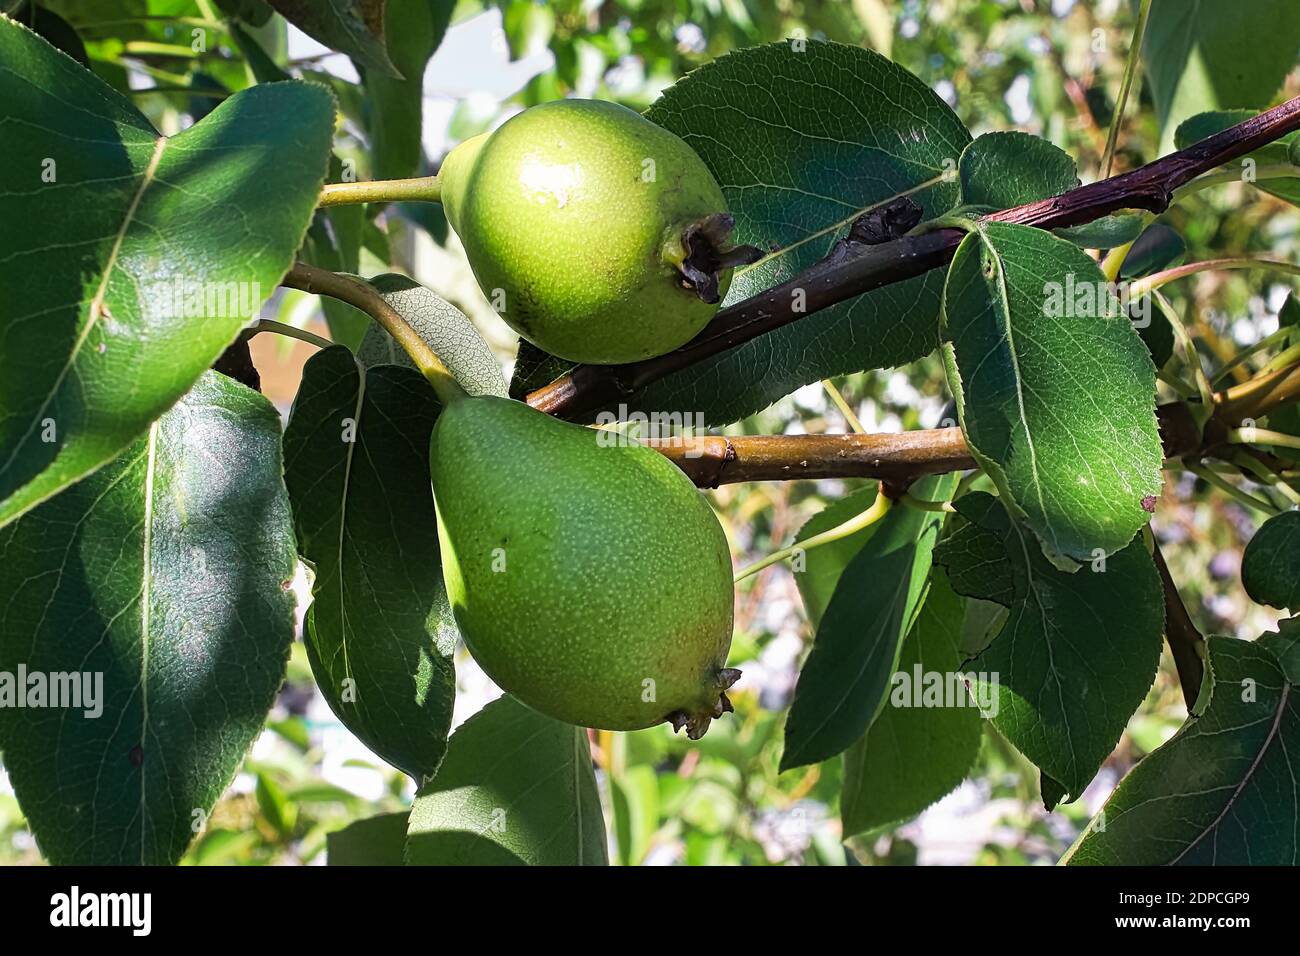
column 1199, row 56
column 163, row 579
column 843, row 683
column 415, row 29
column 1078, row 651
column 802, row 138
column 375, row 841
column 354, row 27
column 1222, row 791
column 1004, row 169
column 824, row 564
column 157, row 253
column 918, row 748
column 1056, row 394
column 1270, row 566
column 443, row 327
column 515, row 788
column 379, row 632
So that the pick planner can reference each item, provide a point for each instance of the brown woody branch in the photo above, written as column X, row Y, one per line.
column 899, row 458
column 717, row 460
column 862, row 268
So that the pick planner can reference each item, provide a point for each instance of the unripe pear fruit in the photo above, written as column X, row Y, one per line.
column 587, row 574
column 599, row 236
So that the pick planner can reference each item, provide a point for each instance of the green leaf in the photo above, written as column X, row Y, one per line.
column 516, row 787
column 1270, row 567
column 354, row 27
column 428, row 216
column 528, row 27
column 1204, row 125
column 379, row 633
column 256, row 12
column 53, row 28
column 1005, row 169
column 634, row 802
column 1056, row 396
column 984, row 621
column 446, row 330
column 976, row 561
column 823, row 565
column 260, row 63
column 1157, row 333
column 415, row 29
column 914, row 752
column 96, row 343
column 1289, row 314
column 801, row 140
column 1159, row 247
column 1223, row 790
column 1108, row 232
column 1284, row 644
column 274, row 805
column 844, row 679
column 1203, row 55
column 167, row 574
column 1051, row 791
column 375, row 841
column 1078, row 651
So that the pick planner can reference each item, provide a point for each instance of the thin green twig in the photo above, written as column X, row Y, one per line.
column 1266, row 477
column 1193, row 357
column 292, row 332
column 1126, row 85
column 850, row 416
column 879, row 508
column 1263, row 345
column 1231, row 490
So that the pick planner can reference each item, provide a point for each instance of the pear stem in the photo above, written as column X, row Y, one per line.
column 421, row 189
column 879, row 508
column 842, row 403
column 366, row 298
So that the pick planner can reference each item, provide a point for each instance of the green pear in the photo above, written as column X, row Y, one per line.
column 599, row 236
column 588, row 576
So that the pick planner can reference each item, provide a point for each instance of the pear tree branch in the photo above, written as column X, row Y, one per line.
column 901, row 458
column 898, row 458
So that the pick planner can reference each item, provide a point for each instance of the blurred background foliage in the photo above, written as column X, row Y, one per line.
column 1049, row 68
